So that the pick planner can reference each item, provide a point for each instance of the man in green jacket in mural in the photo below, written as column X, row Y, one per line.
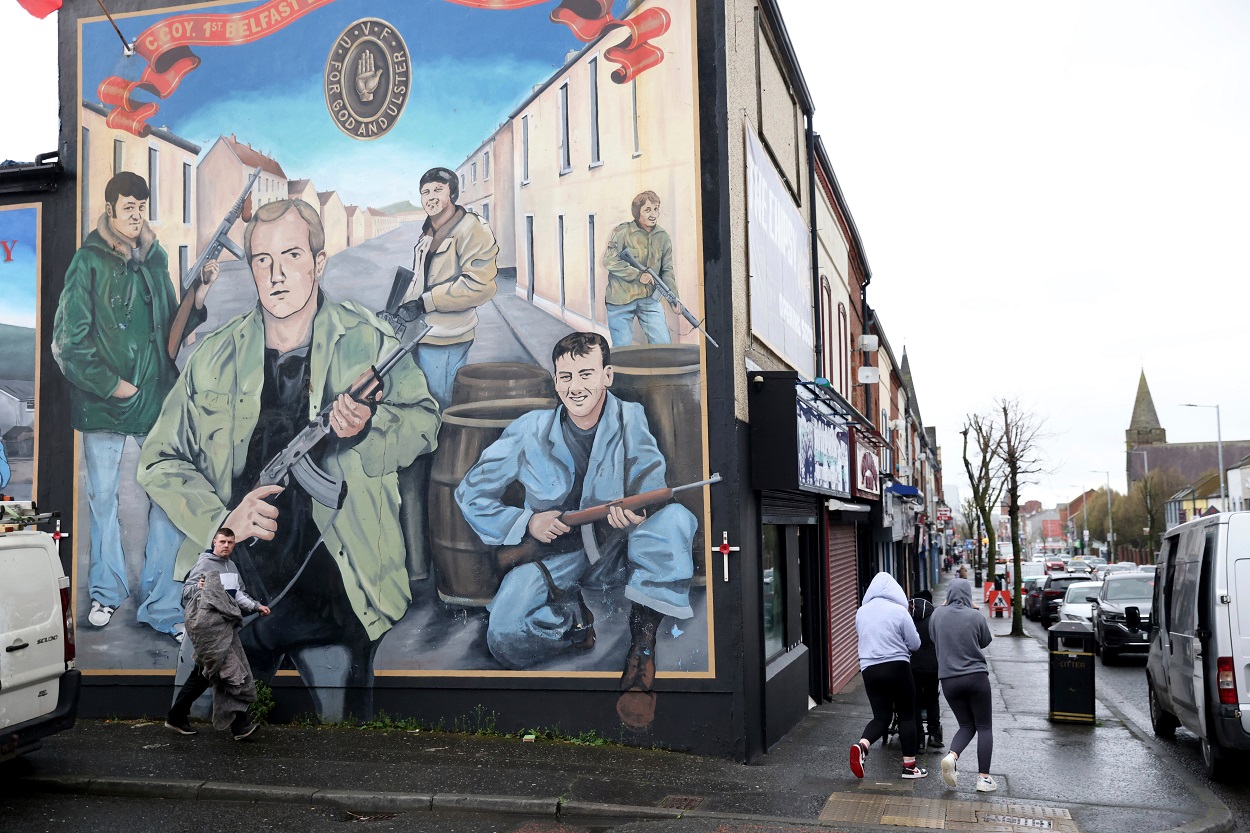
column 631, row 293
column 336, row 580
column 110, row 338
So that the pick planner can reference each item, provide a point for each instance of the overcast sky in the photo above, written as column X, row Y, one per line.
column 1050, row 196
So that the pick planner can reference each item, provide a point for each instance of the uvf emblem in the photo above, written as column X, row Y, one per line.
column 367, row 79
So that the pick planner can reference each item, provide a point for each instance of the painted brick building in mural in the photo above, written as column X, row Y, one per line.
column 659, row 142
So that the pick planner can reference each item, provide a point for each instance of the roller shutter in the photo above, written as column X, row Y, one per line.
column 843, row 603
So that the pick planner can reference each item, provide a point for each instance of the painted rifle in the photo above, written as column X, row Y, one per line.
column 662, row 289
column 530, row 549
column 195, row 275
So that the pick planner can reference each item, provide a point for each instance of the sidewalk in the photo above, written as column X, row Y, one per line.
column 1102, row 779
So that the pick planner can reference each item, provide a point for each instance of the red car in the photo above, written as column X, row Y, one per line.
column 1056, row 566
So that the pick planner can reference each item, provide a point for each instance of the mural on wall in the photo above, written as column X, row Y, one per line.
column 19, row 288
column 366, row 298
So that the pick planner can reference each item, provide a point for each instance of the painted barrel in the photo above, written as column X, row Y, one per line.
column 465, row 569
column 665, row 379
column 488, row 381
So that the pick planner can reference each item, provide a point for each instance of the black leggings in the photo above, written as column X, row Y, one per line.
column 891, row 690
column 969, row 698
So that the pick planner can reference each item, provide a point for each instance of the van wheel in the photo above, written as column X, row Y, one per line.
column 1215, row 760
column 1163, row 722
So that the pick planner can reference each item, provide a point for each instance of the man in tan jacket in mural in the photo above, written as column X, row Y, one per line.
column 454, row 268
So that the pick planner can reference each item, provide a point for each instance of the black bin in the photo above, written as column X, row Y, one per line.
column 1071, row 672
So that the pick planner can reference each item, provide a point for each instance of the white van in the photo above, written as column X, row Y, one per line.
column 1198, row 672
column 39, row 685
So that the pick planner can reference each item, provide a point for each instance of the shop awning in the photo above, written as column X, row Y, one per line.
column 903, row 490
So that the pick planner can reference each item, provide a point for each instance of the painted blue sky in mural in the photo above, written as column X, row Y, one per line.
column 270, row 93
column 18, row 275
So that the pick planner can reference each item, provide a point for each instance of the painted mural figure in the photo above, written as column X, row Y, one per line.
column 110, row 338
column 591, row 450
column 630, row 292
column 454, row 266
column 335, row 579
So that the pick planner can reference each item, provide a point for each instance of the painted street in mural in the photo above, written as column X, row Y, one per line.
column 406, row 295
column 19, row 282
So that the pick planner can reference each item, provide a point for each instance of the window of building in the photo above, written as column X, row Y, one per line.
column 844, row 349
column 633, row 91
column 184, row 262
column 84, row 183
column 473, row 172
column 593, row 67
column 119, row 156
column 590, row 262
column 486, row 164
column 773, row 562
column 529, row 253
column 525, row 149
column 486, row 211
column 826, row 327
column 560, row 254
column 566, row 162
column 463, row 185
column 154, row 166
column 187, row 179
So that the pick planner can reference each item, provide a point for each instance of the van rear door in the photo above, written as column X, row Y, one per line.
column 33, row 657
column 1185, row 664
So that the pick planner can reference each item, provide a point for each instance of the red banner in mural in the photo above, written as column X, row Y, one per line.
column 166, row 46
column 588, row 19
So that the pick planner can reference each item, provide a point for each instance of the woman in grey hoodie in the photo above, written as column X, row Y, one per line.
column 887, row 636
column 960, row 634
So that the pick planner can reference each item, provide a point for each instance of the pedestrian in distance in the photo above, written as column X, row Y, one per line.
column 214, row 607
column 961, row 634
column 887, row 637
column 963, row 571
column 924, row 673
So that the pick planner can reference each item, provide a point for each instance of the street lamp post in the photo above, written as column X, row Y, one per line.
column 1110, row 522
column 1219, row 450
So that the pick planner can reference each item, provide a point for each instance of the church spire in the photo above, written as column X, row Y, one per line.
column 1144, row 427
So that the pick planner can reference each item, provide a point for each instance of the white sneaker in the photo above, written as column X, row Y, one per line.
column 986, row 784
column 949, row 774
column 100, row 615
column 180, row 632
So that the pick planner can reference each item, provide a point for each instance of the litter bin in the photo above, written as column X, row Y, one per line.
column 1071, row 672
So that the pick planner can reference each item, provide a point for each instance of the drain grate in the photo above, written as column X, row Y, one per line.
column 681, row 802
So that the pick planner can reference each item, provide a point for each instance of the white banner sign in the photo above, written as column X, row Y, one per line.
column 781, row 263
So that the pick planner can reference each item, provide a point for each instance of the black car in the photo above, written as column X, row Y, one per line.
column 1031, row 590
column 1112, row 635
column 1053, row 590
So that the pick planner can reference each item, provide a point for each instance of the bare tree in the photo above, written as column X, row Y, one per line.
column 985, row 477
column 1018, row 452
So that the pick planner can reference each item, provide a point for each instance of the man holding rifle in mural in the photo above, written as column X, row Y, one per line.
column 334, row 576
column 631, row 290
column 592, row 451
column 115, row 341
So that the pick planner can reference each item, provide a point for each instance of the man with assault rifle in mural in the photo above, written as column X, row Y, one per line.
column 298, row 364
column 581, row 458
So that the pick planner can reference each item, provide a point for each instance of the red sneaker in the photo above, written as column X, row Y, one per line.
column 859, row 754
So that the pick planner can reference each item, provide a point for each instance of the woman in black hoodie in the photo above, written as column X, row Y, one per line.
column 924, row 671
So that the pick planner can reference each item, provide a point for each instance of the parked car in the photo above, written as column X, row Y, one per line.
column 1053, row 591
column 39, row 685
column 1145, row 568
column 1196, row 674
column 1078, row 601
column 1083, row 568
column 1054, row 566
column 1112, row 635
column 1031, row 592
column 1101, row 573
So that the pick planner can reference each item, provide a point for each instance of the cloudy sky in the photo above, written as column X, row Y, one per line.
column 1050, row 196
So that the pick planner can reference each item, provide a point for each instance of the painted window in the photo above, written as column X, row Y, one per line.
column 486, row 211
column 566, row 162
column 187, row 179
column 525, row 150
column 184, row 262
column 473, row 172
column 633, row 94
column 84, row 182
column 560, row 254
column 529, row 252
column 154, row 167
column 590, row 262
column 594, row 112
column 119, row 156
column 486, row 165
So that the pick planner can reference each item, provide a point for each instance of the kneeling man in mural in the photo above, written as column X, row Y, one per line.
column 336, row 578
column 593, row 450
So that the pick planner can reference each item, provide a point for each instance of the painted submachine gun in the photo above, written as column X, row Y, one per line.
column 294, row 462
column 664, row 292
column 195, row 275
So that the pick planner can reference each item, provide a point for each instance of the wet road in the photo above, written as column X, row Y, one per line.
column 1122, row 685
